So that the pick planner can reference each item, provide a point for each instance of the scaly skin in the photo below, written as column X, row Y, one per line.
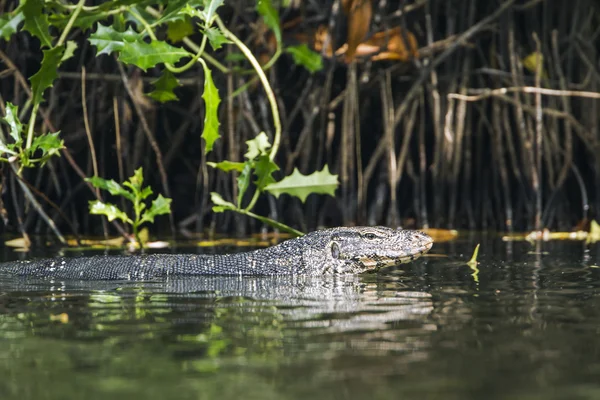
column 330, row 251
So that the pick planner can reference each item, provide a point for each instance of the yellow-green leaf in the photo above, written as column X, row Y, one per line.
column 109, row 210
column 220, row 204
column 305, row 57
column 210, row 133
column 227, row 166
column 301, row 186
column 257, row 146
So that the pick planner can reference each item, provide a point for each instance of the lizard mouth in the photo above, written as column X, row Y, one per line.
column 374, row 263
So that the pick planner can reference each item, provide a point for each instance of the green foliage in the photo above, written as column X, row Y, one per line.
column 305, row 57
column 163, row 87
column 134, row 191
column 129, row 30
column 211, row 117
column 48, row 72
column 36, row 21
column 147, row 55
column 301, row 186
column 41, row 150
column 270, row 16
column 107, row 40
column 259, row 164
column 9, row 23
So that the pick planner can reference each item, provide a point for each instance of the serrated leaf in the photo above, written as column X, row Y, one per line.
column 12, row 119
column 220, row 204
column 136, row 181
column 243, row 182
column 36, row 22
column 227, row 166
column 257, row 146
column 301, row 186
column 179, row 29
column 111, row 211
column 147, row 55
column 163, row 87
column 9, row 24
column 49, row 144
column 263, row 170
column 48, row 72
column 69, row 51
column 107, row 40
column 216, row 37
column 113, row 187
column 210, row 133
column 161, row 205
column 270, row 16
column 305, row 57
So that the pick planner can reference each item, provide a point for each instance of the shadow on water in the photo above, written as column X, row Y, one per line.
column 526, row 326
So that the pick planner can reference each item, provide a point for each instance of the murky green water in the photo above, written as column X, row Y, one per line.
column 526, row 327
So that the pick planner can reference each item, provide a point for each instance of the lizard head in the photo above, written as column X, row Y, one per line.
column 356, row 250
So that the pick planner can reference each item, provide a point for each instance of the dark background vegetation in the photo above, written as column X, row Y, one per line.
column 405, row 152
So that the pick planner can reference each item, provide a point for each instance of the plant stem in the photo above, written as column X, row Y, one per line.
column 270, row 95
column 76, row 12
column 31, row 124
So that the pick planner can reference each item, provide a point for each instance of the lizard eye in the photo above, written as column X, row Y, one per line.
column 370, row 236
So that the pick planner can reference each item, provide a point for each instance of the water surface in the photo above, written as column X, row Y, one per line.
column 526, row 326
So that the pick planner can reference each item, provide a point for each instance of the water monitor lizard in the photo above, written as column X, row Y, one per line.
column 329, row 251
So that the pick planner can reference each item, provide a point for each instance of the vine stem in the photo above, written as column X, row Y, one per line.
column 270, row 96
column 76, row 12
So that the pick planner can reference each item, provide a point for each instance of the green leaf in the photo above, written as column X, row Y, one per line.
column 163, row 87
column 305, row 57
column 161, row 205
column 216, row 37
column 107, row 40
column 136, row 181
column 210, row 133
column 110, row 210
column 271, row 17
column 49, row 144
column 243, row 182
column 8, row 149
column 227, row 166
column 257, row 146
column 179, row 29
column 113, row 187
column 220, row 205
column 69, row 51
column 210, row 11
column 263, row 169
column 147, row 55
column 177, row 9
column 48, row 72
column 9, row 24
column 301, row 186
column 36, row 22
column 12, row 119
